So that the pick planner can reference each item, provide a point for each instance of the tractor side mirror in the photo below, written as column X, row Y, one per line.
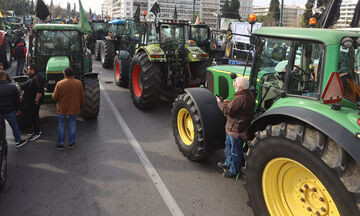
column 233, row 75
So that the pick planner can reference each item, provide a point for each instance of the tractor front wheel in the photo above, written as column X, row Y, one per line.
column 295, row 170
column 145, row 81
column 187, row 128
column 5, row 53
column 121, row 71
column 107, row 54
column 98, row 50
column 91, row 106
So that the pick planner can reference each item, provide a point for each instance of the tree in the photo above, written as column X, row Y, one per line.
column 68, row 8
column 231, row 10
column 274, row 12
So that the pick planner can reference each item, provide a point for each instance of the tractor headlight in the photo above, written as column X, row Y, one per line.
column 194, row 55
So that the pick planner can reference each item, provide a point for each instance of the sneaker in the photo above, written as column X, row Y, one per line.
column 21, row 143
column 60, row 147
column 34, row 137
column 222, row 165
column 228, row 174
column 71, row 146
column 33, row 133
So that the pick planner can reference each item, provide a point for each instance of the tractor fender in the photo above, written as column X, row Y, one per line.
column 211, row 117
column 123, row 54
column 2, row 36
column 91, row 75
column 327, row 126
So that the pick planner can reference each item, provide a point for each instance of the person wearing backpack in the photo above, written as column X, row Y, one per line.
column 32, row 95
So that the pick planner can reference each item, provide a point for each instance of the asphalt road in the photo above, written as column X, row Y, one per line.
column 103, row 174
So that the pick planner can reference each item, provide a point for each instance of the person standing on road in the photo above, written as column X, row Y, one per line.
column 10, row 107
column 32, row 95
column 240, row 112
column 69, row 97
column 20, row 55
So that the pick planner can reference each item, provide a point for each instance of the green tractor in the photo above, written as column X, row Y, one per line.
column 105, row 49
column 304, row 157
column 164, row 63
column 126, row 42
column 201, row 35
column 54, row 47
column 99, row 31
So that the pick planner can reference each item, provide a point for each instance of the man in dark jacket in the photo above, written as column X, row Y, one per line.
column 32, row 94
column 20, row 55
column 10, row 106
column 240, row 112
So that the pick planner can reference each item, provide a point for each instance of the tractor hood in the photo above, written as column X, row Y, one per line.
column 196, row 54
column 57, row 64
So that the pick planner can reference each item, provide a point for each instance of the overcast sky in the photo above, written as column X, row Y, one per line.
column 95, row 5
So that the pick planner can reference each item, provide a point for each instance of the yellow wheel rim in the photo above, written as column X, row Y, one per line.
column 289, row 188
column 228, row 50
column 185, row 126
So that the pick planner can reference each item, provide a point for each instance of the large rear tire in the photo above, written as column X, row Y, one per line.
column 98, row 50
column 5, row 53
column 145, row 81
column 91, row 106
column 187, row 128
column 296, row 170
column 107, row 54
column 122, row 67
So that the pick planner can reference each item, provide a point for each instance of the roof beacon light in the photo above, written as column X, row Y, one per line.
column 312, row 21
column 144, row 13
column 252, row 19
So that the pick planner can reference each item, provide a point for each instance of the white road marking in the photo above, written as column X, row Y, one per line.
column 153, row 174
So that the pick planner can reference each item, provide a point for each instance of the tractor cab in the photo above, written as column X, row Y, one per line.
column 54, row 47
column 201, row 34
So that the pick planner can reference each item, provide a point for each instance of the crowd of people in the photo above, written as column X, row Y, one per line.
column 68, row 93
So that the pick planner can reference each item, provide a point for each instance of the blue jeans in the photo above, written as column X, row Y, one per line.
column 61, row 128
column 11, row 119
column 234, row 153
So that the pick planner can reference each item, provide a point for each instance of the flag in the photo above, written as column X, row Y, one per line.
column 328, row 16
column 83, row 25
column 137, row 13
column 155, row 9
column 42, row 12
column 355, row 19
column 175, row 13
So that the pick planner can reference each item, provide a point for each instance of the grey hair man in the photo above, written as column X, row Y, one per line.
column 240, row 112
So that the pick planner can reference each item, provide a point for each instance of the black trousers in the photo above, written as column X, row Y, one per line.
column 35, row 118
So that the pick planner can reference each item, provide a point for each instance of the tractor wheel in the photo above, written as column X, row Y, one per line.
column 228, row 50
column 121, row 72
column 5, row 53
column 145, row 81
column 91, row 106
column 98, row 50
column 3, row 170
column 296, row 170
column 107, row 54
column 187, row 128
column 199, row 68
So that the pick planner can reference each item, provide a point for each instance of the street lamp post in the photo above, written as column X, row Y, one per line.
column 194, row 11
column 281, row 12
column 23, row 10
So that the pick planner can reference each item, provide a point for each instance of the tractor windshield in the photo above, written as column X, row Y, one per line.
column 349, row 69
column 117, row 29
column 199, row 33
column 99, row 26
column 58, row 43
column 172, row 35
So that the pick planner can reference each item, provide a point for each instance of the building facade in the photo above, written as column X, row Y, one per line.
column 346, row 13
column 292, row 14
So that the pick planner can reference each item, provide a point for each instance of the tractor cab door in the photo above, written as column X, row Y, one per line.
column 286, row 68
